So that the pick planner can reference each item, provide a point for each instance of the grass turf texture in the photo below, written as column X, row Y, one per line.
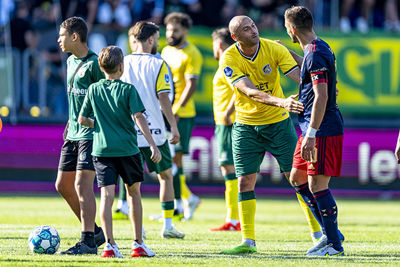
column 371, row 229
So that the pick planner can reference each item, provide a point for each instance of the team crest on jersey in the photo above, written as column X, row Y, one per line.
column 82, row 71
column 228, row 72
column 267, row 69
column 82, row 156
column 166, row 78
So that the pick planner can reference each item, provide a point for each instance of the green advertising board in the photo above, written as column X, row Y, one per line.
column 368, row 69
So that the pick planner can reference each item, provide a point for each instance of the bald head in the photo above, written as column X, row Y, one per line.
column 244, row 30
column 236, row 21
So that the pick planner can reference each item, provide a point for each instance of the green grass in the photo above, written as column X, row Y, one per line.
column 372, row 230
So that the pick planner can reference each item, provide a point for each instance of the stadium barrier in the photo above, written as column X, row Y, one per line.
column 31, row 153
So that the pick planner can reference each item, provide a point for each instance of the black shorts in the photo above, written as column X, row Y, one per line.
column 108, row 169
column 76, row 155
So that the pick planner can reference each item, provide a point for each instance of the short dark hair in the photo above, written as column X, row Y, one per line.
column 76, row 25
column 178, row 18
column 300, row 17
column 110, row 58
column 224, row 35
column 142, row 30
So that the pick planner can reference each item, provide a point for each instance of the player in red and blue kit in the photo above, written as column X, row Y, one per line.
column 318, row 154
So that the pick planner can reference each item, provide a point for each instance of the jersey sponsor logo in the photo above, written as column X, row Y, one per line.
column 263, row 87
column 228, row 72
column 78, row 91
column 166, row 78
column 82, row 156
column 153, row 131
column 267, row 69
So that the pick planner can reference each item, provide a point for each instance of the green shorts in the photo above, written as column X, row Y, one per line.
column 250, row 142
column 185, row 127
column 164, row 164
column 223, row 134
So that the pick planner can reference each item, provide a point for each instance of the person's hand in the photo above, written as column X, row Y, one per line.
column 175, row 136
column 308, row 150
column 292, row 105
column 155, row 154
column 227, row 120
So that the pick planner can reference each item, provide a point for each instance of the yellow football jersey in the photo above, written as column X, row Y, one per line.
column 222, row 95
column 185, row 62
column 262, row 70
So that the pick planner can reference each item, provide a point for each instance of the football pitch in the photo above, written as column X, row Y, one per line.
column 371, row 228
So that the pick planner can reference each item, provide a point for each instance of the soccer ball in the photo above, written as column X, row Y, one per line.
column 44, row 240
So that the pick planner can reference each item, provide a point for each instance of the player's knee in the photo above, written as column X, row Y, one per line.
column 165, row 176
column 245, row 184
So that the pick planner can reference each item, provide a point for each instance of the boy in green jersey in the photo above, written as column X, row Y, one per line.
column 115, row 149
column 75, row 171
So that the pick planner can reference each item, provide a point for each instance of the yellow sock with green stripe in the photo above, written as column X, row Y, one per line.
column 231, row 196
column 167, row 208
column 247, row 213
column 312, row 222
column 185, row 191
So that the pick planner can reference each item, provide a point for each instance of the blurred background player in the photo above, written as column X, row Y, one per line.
column 262, row 114
column 223, row 105
column 75, row 171
column 318, row 154
column 185, row 62
column 115, row 150
column 150, row 76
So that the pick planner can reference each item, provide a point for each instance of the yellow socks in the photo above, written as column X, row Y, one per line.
column 312, row 222
column 231, row 196
column 247, row 212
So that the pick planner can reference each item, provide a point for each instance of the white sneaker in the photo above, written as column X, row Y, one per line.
column 190, row 206
column 345, row 25
column 141, row 250
column 362, row 25
column 172, row 233
column 111, row 251
column 322, row 242
column 327, row 250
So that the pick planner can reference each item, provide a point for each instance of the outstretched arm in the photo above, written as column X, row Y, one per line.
column 296, row 57
column 249, row 89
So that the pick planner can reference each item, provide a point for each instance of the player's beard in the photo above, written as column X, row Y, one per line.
column 154, row 50
column 174, row 41
column 294, row 38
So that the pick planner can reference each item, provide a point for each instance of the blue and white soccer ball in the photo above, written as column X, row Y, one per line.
column 44, row 240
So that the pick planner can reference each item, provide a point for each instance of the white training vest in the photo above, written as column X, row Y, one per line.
column 141, row 70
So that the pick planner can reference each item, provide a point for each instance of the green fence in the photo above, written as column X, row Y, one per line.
column 368, row 71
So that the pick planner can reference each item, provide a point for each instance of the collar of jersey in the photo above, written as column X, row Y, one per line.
column 183, row 46
column 246, row 57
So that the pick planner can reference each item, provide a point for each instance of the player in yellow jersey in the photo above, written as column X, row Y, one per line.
column 262, row 114
column 185, row 62
column 223, row 105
